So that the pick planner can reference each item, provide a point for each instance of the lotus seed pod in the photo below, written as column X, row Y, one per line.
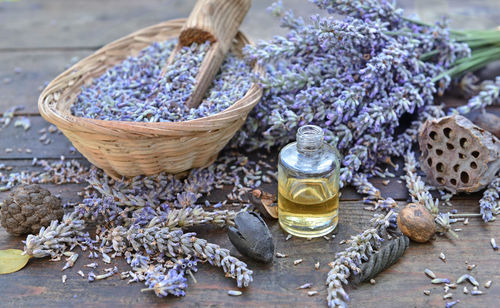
column 458, row 155
column 416, row 222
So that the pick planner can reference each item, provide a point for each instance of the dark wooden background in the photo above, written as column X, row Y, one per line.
column 42, row 37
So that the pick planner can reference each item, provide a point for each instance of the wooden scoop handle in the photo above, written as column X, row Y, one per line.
column 216, row 21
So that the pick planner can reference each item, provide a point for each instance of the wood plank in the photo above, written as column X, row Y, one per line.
column 17, row 138
column 274, row 285
column 90, row 24
column 37, row 68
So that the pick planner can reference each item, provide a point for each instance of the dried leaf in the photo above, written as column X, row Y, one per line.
column 12, row 260
column 265, row 203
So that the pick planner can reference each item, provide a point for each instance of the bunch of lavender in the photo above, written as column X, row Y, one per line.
column 135, row 90
column 354, row 77
column 348, row 262
column 157, row 238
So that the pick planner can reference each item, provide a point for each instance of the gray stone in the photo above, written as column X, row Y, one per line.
column 252, row 237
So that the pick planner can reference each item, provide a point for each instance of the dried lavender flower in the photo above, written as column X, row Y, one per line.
column 56, row 238
column 348, row 261
column 488, row 95
column 156, row 238
column 134, row 90
column 489, row 203
column 430, row 273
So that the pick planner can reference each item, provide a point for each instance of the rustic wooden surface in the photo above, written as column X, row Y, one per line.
column 42, row 37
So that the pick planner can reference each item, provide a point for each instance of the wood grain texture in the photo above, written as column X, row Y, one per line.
column 19, row 139
column 23, row 75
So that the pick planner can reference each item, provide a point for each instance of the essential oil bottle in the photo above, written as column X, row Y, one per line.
column 308, row 184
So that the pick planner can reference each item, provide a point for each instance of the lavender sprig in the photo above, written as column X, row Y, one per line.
column 419, row 192
column 488, row 95
column 174, row 243
column 348, row 262
column 374, row 197
column 489, row 203
column 56, row 238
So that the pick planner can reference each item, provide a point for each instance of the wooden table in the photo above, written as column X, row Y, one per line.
column 42, row 37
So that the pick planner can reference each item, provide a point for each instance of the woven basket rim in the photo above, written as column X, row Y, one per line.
column 114, row 127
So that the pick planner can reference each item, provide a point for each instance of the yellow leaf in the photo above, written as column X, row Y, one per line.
column 12, row 260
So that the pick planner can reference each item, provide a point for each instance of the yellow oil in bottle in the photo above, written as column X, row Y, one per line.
column 308, row 184
column 308, row 207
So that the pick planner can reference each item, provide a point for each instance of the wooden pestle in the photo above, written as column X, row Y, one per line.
column 216, row 21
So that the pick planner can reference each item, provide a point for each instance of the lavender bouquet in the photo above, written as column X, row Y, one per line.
column 358, row 77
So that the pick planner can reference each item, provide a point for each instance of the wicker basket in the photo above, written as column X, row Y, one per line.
column 123, row 148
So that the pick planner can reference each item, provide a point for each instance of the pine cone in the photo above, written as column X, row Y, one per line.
column 28, row 208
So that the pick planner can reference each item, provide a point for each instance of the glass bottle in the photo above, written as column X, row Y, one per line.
column 308, row 184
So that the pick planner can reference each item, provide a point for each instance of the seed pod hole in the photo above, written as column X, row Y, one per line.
column 447, row 132
column 439, row 167
column 464, row 177
column 463, row 142
column 460, row 157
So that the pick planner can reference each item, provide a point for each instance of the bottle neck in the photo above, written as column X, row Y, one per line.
column 309, row 139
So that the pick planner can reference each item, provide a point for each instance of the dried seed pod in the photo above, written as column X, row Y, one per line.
column 382, row 259
column 28, row 208
column 416, row 222
column 458, row 155
column 489, row 122
column 252, row 237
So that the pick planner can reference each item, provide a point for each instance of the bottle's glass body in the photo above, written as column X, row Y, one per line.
column 308, row 185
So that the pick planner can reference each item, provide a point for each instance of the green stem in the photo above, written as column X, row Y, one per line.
column 470, row 64
column 428, row 55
